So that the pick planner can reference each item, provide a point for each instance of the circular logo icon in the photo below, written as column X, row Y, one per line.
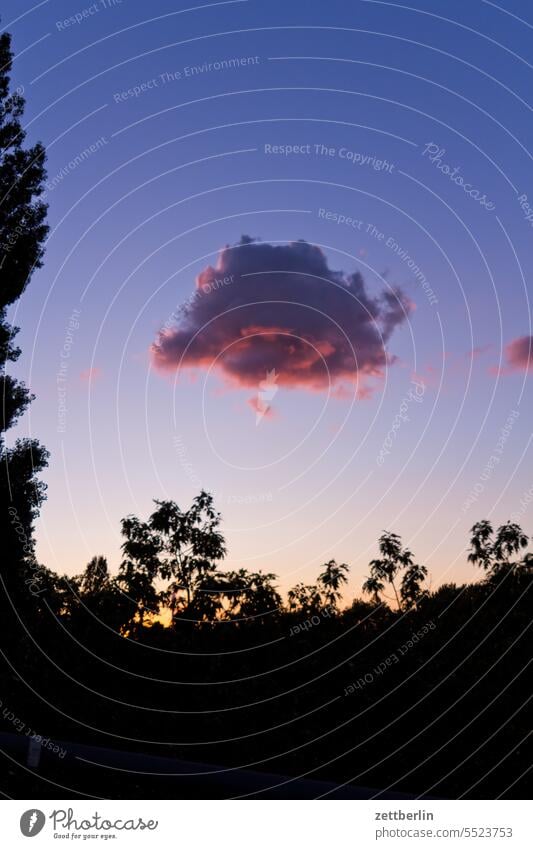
column 32, row 822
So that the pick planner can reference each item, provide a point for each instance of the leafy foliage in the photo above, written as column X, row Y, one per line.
column 384, row 571
column 493, row 551
column 22, row 234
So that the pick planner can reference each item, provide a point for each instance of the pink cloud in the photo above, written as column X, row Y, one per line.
column 477, row 352
column 429, row 375
column 519, row 354
column 518, row 357
column 89, row 375
column 266, row 307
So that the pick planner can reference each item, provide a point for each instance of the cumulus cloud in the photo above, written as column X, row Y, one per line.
column 519, row 354
column 267, row 307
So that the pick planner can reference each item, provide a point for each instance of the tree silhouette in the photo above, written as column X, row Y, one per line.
column 331, row 580
column 385, row 570
column 140, row 566
column 304, row 599
column 411, row 591
column 99, row 593
column 95, row 577
column 268, row 695
column 252, row 594
column 481, row 544
column 180, row 547
column 22, row 234
column 231, row 631
column 493, row 553
column 310, row 599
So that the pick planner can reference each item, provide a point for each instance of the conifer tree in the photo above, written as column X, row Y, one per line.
column 23, row 231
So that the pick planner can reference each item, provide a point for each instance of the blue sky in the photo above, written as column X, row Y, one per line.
column 177, row 169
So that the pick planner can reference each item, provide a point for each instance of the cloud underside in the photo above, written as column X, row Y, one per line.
column 266, row 307
column 519, row 354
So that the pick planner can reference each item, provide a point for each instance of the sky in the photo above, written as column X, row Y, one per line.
column 289, row 262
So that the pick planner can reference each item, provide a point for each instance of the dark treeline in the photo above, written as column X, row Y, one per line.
column 425, row 692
